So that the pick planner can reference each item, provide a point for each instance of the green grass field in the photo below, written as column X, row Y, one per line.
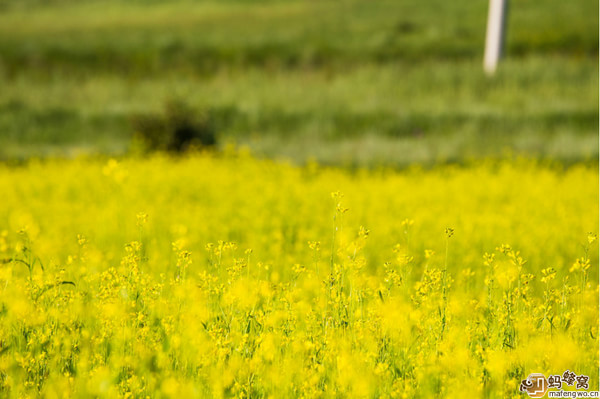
column 349, row 82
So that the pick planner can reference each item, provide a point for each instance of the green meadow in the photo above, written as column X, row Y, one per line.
column 341, row 82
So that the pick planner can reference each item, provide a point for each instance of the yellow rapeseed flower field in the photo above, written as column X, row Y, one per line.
column 228, row 276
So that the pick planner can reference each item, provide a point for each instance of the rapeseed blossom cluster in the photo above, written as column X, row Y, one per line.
column 227, row 276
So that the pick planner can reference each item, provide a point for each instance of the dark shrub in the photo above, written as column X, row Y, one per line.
column 178, row 128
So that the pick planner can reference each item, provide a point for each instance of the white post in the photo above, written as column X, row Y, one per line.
column 494, row 38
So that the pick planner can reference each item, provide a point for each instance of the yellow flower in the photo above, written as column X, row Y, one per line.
column 592, row 238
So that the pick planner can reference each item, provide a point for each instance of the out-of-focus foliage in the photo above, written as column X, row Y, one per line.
column 213, row 276
column 177, row 129
column 348, row 81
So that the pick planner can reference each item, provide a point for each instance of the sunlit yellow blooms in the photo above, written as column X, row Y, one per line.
column 581, row 264
column 226, row 276
column 548, row 275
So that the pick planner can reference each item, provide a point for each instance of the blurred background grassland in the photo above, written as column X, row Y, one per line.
column 343, row 82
